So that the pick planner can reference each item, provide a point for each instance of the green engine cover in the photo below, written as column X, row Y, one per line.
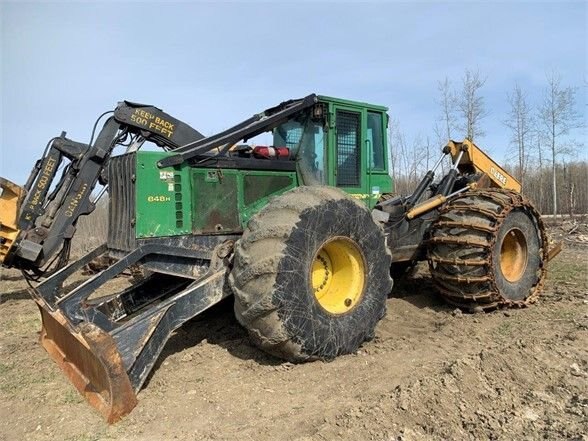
column 183, row 200
column 163, row 197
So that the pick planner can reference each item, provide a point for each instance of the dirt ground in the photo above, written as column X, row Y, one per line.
column 431, row 373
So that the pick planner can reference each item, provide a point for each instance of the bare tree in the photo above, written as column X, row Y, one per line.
column 558, row 117
column 470, row 104
column 539, row 147
column 395, row 140
column 520, row 123
column 408, row 158
column 447, row 102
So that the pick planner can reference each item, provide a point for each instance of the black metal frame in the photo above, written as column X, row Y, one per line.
column 141, row 318
column 248, row 129
column 47, row 219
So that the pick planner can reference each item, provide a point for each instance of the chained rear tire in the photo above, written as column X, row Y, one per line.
column 488, row 249
column 311, row 275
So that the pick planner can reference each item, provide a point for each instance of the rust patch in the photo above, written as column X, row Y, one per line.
column 89, row 358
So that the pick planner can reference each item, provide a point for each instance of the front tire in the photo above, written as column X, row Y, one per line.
column 311, row 275
column 488, row 249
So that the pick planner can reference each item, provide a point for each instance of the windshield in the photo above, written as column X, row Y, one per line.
column 305, row 139
column 289, row 135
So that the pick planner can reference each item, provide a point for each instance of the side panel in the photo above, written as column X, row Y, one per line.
column 215, row 199
column 380, row 183
column 163, row 197
column 225, row 199
column 259, row 187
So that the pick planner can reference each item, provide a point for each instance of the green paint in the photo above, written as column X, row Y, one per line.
column 225, row 199
column 162, row 197
column 373, row 180
column 191, row 200
column 360, row 104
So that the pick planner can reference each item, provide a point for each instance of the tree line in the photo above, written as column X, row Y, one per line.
column 544, row 157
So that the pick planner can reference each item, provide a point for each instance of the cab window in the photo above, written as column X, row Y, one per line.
column 289, row 135
column 305, row 139
column 375, row 136
column 348, row 149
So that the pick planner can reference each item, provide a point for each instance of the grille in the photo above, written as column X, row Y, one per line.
column 121, row 212
column 348, row 153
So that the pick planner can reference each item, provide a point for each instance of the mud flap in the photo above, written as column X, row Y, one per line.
column 88, row 356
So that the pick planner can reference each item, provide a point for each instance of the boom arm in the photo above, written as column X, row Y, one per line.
column 40, row 222
column 474, row 160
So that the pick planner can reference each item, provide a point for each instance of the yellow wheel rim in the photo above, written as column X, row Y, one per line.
column 338, row 275
column 513, row 255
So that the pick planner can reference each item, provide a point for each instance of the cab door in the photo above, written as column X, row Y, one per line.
column 349, row 157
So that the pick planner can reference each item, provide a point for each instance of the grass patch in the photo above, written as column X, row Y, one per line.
column 5, row 368
column 71, row 396
column 18, row 381
column 22, row 324
column 562, row 270
column 505, row 328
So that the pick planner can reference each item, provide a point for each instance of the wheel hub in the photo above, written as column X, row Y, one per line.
column 338, row 275
column 513, row 255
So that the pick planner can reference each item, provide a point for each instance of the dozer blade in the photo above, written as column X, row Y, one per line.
column 90, row 359
column 11, row 196
column 107, row 345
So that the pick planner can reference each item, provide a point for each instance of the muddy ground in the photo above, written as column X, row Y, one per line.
column 430, row 373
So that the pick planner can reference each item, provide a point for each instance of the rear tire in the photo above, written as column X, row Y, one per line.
column 311, row 275
column 488, row 249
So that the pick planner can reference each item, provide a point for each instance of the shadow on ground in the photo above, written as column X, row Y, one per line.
column 417, row 288
column 217, row 326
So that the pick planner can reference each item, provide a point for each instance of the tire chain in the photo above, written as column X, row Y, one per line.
column 508, row 201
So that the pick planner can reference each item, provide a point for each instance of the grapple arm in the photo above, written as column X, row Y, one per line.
column 39, row 220
column 475, row 160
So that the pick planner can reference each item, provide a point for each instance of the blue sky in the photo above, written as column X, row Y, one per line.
column 213, row 64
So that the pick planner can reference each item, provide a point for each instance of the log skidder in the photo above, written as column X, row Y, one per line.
column 311, row 275
column 487, row 249
column 288, row 226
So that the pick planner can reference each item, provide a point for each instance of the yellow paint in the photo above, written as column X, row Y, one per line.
column 75, row 201
column 513, row 255
column 41, row 184
column 10, row 201
column 425, row 206
column 365, row 196
column 338, row 275
column 153, row 123
column 474, row 160
column 161, row 198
